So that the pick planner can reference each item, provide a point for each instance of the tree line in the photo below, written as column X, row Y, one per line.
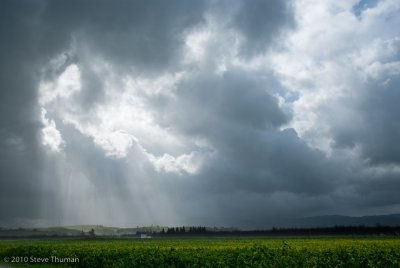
column 184, row 230
column 275, row 231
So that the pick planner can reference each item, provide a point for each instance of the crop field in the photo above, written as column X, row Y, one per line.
column 203, row 252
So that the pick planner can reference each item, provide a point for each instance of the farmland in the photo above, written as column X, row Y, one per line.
column 205, row 252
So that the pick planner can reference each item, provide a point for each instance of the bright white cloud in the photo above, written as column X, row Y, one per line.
column 189, row 163
column 63, row 87
column 51, row 136
column 125, row 120
column 330, row 57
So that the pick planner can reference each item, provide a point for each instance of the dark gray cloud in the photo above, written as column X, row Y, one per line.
column 235, row 98
column 374, row 127
column 176, row 116
column 260, row 22
column 19, row 130
column 380, row 113
column 144, row 34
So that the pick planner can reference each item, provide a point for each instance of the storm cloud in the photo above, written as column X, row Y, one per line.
column 234, row 113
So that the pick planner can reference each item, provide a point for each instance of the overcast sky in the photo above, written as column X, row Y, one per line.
column 217, row 112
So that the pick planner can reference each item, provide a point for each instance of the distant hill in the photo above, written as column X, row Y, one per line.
column 338, row 220
column 98, row 229
column 38, row 232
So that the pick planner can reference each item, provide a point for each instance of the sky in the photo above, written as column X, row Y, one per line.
column 213, row 112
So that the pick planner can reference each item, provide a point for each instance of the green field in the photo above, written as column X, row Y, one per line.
column 205, row 252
